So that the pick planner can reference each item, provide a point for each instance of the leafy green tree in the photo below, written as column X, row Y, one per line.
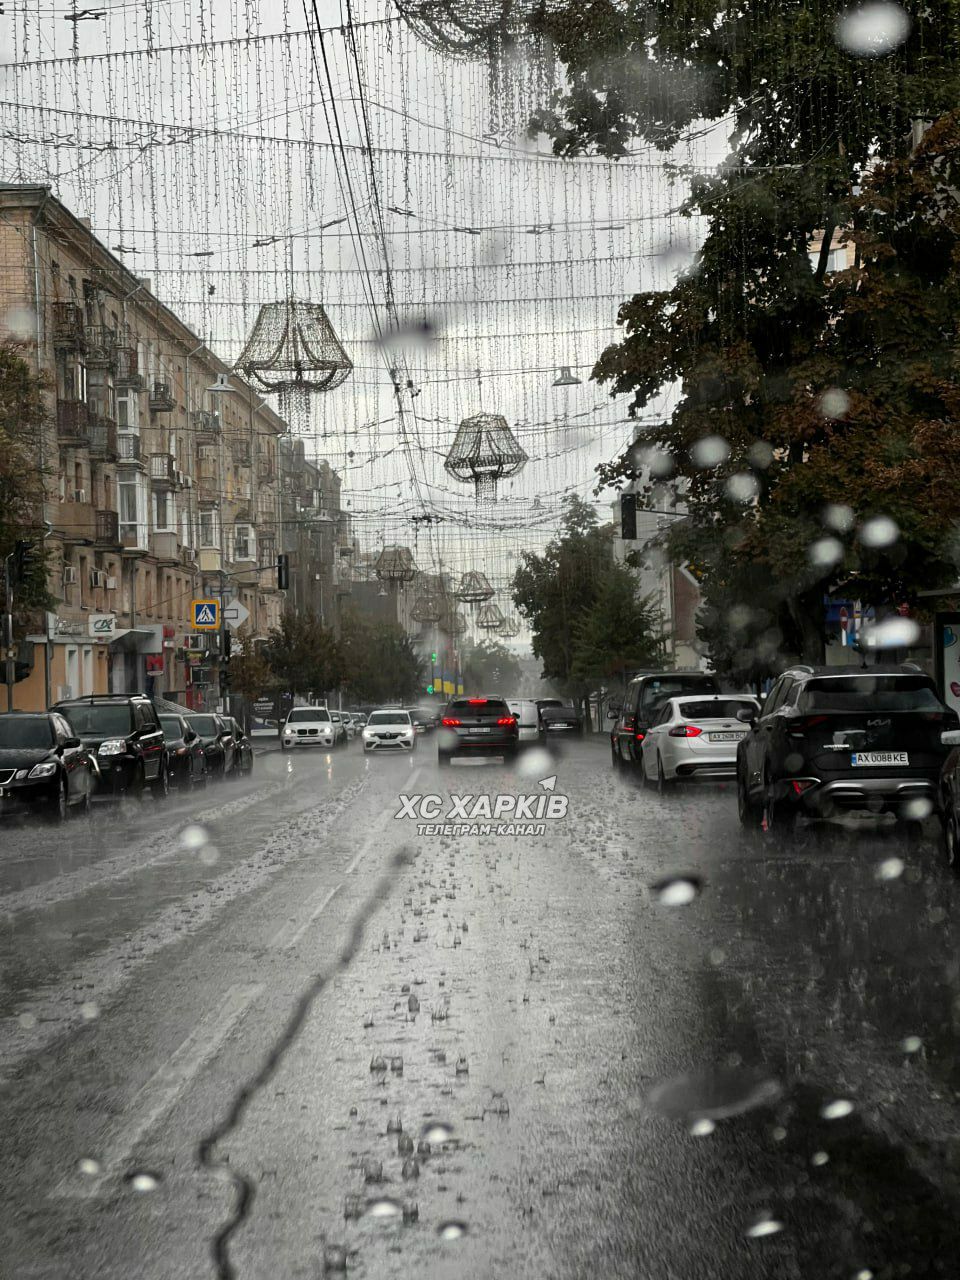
column 490, row 664
column 303, row 655
column 251, row 676
column 619, row 634
column 811, row 400
column 21, row 480
column 380, row 663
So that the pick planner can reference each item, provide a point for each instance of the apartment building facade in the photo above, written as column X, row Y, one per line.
column 161, row 468
column 316, row 535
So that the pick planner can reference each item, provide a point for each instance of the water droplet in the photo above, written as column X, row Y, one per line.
column 879, row 531
column 404, row 1145
column 90, row 1168
column 353, row 1111
column 778, row 1133
column 890, row 869
column 27, row 1021
column 463, row 1067
column 834, row 403
column 368, row 1021
column 763, row 1227
column 405, row 988
column 819, row 1158
column 709, row 452
column 918, row 808
column 742, row 487
column 760, row 455
column 676, row 891
column 209, row 855
column 89, row 1011
column 825, row 552
column 334, row 1259
column 411, row 1211
column 194, row 836
column 436, row 1134
column 394, row 1125
column 451, row 1230
column 535, row 763
column 378, row 1063
column 837, row 1109
column 143, row 1181
column 891, row 633
column 911, row 1044
column 21, row 323
column 413, row 1005
column 384, row 1208
column 396, row 1064
column 872, row 30
column 714, row 1095
column 372, row 1170
column 411, row 1168
column 865, row 1274
column 353, row 1206
column 702, row 1128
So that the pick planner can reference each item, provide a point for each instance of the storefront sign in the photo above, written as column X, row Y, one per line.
column 102, row 625
column 64, row 628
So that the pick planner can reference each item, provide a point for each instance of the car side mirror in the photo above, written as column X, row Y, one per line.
column 613, row 714
column 950, row 737
column 190, row 736
column 747, row 715
column 72, row 742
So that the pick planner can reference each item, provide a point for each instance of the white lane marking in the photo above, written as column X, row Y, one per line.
column 158, row 1095
column 290, row 933
column 377, row 829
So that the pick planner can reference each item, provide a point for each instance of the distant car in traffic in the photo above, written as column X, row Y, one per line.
column 528, row 718
column 644, row 696
column 829, row 742
column 186, row 762
column 558, row 720
column 349, row 721
column 424, row 719
column 340, row 735
column 216, row 738
column 695, row 738
column 477, row 726
column 308, row 727
column 124, row 732
column 44, row 767
column 389, row 729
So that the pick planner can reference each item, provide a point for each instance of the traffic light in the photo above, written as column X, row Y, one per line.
column 429, row 688
column 227, row 645
column 283, row 572
column 24, row 560
column 628, row 517
column 433, row 657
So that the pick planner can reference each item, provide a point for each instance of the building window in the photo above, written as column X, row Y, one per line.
column 244, row 542
column 164, row 516
column 209, row 534
column 128, row 410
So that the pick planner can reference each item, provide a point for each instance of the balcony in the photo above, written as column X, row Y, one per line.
column 108, row 528
column 77, row 521
column 103, row 439
column 161, row 398
column 165, row 546
column 265, row 471
column 206, row 425
column 128, row 369
column 128, row 450
column 163, row 474
column 73, row 423
column 101, row 347
column 68, row 326
column 240, row 450
column 209, row 560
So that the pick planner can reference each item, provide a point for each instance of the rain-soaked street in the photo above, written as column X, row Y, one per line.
column 274, row 1031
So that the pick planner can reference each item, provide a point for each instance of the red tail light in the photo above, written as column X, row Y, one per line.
column 449, row 722
column 639, row 735
column 477, row 702
column 800, row 785
column 686, row 731
column 507, row 720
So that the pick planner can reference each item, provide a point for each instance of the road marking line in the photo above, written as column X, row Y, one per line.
column 289, row 934
column 159, row 1094
column 378, row 827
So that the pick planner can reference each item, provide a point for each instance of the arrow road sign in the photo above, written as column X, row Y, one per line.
column 235, row 614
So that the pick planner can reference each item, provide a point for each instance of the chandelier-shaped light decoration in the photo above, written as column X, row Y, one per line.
column 427, row 608
column 453, row 622
column 294, row 352
column 510, row 627
column 474, row 588
column 490, row 618
column 484, row 451
column 395, row 564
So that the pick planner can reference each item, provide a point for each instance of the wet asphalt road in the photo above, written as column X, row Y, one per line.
column 215, row 1013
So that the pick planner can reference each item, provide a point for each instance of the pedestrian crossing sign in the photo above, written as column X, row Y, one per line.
column 206, row 615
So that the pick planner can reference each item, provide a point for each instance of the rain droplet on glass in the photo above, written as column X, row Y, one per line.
column 872, row 30
column 825, row 552
column 451, row 1230
column 143, row 1181
column 709, row 452
column 702, row 1128
column 911, row 1044
column 890, row 869
column 879, row 531
column 763, row 1227
column 837, row 1109
column 742, row 487
column 676, row 891
column 194, row 837
column 833, row 403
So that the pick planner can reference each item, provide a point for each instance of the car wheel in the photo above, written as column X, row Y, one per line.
column 284, row 747
column 747, row 809
column 161, row 787
column 663, row 782
column 615, row 758
column 779, row 818
column 645, row 779
column 58, row 814
column 951, row 839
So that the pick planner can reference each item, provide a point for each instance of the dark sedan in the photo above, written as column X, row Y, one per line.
column 44, row 768
column 216, row 740
column 477, row 726
column 186, row 762
column 242, row 749
column 558, row 721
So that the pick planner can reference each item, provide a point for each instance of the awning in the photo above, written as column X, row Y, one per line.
column 130, row 639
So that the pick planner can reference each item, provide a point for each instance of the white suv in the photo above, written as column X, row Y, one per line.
column 308, row 727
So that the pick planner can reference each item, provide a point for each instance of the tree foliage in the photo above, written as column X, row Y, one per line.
column 21, row 480
column 811, row 400
column 490, row 665
column 379, row 662
column 302, row 655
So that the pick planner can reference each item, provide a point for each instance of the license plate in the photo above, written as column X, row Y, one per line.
column 478, row 730
column 879, row 757
column 559, row 726
column 724, row 737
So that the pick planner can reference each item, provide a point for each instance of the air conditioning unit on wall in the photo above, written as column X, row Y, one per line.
column 111, row 583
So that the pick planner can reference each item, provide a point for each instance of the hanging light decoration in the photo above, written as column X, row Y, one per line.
column 490, row 617
column 427, row 607
column 294, row 352
column 395, row 564
column 474, row 588
column 453, row 622
column 484, row 451
column 566, row 378
column 510, row 627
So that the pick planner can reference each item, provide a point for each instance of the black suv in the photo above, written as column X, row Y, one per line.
column 646, row 693
column 124, row 731
column 477, row 726
column 828, row 741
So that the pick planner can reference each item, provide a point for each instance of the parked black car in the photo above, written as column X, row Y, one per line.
column 124, row 732
column 216, row 738
column 242, row 748
column 44, row 767
column 477, row 726
column 828, row 742
column 186, row 763
column 645, row 695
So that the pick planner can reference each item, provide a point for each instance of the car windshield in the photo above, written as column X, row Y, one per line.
column 31, row 733
column 205, row 726
column 869, row 693
column 720, row 709
column 389, row 717
column 308, row 715
column 656, row 692
column 171, row 726
column 99, row 720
